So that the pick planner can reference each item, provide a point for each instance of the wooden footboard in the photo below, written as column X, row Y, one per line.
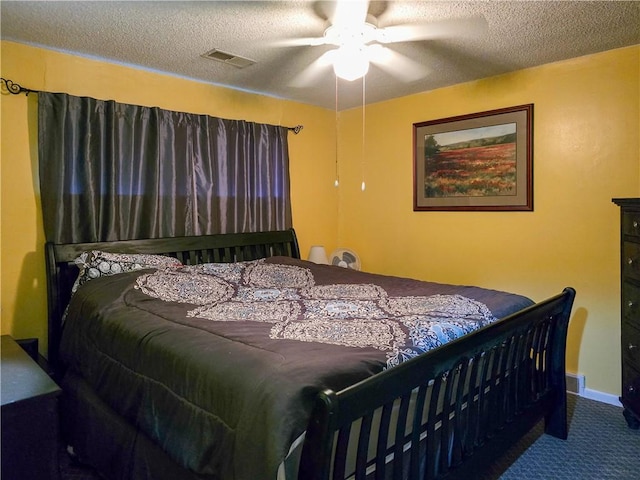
column 444, row 414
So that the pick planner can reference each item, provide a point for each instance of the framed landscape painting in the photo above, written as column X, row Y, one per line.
column 480, row 161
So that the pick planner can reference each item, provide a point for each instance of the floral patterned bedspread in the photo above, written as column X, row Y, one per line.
column 347, row 314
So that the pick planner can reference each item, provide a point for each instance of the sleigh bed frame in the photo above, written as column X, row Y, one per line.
column 448, row 413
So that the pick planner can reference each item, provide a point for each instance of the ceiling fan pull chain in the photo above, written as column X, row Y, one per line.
column 337, row 181
column 363, row 186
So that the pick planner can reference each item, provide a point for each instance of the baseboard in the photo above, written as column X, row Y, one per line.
column 601, row 397
column 576, row 385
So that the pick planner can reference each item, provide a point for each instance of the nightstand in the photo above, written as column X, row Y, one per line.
column 29, row 399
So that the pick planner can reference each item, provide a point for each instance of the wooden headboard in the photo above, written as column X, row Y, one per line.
column 220, row 248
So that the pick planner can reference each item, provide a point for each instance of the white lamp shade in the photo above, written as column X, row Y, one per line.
column 317, row 254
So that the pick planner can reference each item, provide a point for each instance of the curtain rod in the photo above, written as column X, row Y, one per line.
column 16, row 89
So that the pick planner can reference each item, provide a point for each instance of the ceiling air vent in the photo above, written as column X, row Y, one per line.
column 228, row 58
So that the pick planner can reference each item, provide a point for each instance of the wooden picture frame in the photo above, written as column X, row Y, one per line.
column 480, row 161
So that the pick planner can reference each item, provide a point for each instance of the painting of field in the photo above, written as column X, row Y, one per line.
column 471, row 163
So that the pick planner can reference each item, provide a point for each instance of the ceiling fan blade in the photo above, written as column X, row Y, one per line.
column 298, row 42
column 396, row 64
column 349, row 12
column 471, row 27
column 345, row 13
column 309, row 76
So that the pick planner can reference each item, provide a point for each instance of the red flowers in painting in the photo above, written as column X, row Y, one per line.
column 473, row 171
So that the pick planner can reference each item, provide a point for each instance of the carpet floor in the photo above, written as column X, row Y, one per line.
column 600, row 447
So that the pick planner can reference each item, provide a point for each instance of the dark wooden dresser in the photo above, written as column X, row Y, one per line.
column 630, row 307
column 29, row 412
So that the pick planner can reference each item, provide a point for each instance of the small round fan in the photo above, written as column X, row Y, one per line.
column 343, row 257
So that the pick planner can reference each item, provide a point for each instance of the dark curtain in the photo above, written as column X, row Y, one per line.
column 112, row 171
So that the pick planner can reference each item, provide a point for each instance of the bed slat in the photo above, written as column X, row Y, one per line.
column 383, row 435
column 416, row 430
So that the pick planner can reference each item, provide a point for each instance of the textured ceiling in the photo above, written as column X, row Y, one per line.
column 171, row 37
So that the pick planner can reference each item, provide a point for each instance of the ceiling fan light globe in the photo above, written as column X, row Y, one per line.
column 350, row 63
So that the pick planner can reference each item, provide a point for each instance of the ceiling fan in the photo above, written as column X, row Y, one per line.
column 358, row 41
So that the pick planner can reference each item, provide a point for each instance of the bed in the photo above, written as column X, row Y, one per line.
column 228, row 357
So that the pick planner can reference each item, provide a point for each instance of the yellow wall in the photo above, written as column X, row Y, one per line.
column 23, row 289
column 586, row 151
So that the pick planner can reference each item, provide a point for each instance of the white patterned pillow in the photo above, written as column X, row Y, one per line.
column 96, row 264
